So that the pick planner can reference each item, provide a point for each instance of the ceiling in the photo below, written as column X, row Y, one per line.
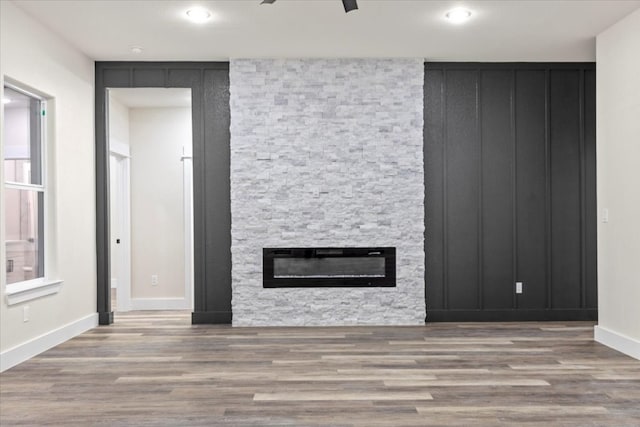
column 538, row 30
column 149, row 97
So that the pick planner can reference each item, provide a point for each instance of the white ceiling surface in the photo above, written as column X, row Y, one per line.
column 152, row 97
column 539, row 30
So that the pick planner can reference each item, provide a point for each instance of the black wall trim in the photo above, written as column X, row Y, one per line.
column 523, row 315
column 510, row 66
column 209, row 83
column 510, row 191
column 217, row 317
column 105, row 318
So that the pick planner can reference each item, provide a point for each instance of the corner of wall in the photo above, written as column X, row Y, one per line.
column 617, row 341
column 25, row 351
column 618, row 106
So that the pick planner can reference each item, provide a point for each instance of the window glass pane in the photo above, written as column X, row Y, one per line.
column 24, row 222
column 22, row 137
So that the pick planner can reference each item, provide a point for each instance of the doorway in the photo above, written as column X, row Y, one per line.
column 211, row 120
column 120, row 216
column 151, row 201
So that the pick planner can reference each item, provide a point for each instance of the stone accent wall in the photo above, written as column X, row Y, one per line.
column 327, row 152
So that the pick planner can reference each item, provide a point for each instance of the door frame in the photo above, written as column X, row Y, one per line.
column 210, row 112
column 187, row 191
column 123, row 293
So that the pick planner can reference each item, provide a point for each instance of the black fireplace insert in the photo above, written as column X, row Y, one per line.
column 329, row 267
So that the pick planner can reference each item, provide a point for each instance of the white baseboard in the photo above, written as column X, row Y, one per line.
column 160, row 304
column 617, row 341
column 35, row 346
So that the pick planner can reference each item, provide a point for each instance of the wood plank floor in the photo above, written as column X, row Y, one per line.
column 158, row 370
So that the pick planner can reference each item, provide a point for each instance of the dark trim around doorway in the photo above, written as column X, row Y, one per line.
column 209, row 84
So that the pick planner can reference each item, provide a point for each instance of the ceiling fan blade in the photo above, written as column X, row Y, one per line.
column 350, row 5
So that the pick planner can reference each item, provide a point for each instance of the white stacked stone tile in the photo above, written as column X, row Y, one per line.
column 327, row 152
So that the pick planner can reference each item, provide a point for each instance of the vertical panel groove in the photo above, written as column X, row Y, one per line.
column 203, row 190
column 547, row 173
column 514, row 186
column 583, row 207
column 480, row 193
column 445, row 225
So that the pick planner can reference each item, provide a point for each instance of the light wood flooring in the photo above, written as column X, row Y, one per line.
column 155, row 369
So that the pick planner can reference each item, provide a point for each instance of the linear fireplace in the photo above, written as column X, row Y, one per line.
column 329, row 267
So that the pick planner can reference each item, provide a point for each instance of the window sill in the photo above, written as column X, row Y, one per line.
column 32, row 289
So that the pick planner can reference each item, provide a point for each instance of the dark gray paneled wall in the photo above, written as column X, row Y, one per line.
column 510, row 191
column 209, row 84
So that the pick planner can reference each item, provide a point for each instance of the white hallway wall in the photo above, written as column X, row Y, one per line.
column 618, row 151
column 118, row 124
column 36, row 57
column 118, row 143
column 157, row 136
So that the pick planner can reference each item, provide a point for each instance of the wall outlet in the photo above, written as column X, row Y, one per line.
column 605, row 215
column 518, row 287
column 25, row 313
column 154, row 280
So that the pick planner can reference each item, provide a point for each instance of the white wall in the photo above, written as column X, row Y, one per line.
column 157, row 136
column 119, row 144
column 618, row 154
column 118, row 124
column 36, row 57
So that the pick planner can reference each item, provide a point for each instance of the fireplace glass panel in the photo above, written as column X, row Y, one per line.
column 311, row 267
column 328, row 267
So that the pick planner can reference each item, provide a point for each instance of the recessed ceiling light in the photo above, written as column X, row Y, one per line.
column 198, row 15
column 458, row 15
column 6, row 100
column 136, row 49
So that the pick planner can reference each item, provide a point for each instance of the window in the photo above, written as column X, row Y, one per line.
column 25, row 192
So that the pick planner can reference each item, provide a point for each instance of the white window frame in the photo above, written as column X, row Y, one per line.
column 27, row 290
